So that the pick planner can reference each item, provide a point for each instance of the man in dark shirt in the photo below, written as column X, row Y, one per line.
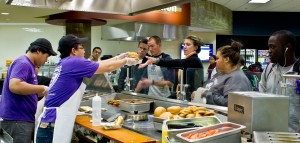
column 134, row 72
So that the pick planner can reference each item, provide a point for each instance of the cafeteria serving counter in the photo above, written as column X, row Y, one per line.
column 145, row 128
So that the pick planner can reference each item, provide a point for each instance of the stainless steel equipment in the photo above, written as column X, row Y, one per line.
column 227, row 133
column 276, row 137
column 137, row 117
column 135, row 105
column 175, row 127
column 259, row 111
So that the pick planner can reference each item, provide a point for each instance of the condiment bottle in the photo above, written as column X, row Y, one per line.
column 96, row 115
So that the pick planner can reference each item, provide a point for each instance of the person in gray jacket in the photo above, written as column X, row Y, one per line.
column 229, row 78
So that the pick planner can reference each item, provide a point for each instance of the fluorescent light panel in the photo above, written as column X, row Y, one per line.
column 258, row 1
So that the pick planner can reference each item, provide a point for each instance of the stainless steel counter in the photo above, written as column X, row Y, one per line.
column 147, row 127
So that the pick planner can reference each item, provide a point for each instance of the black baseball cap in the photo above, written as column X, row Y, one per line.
column 45, row 44
column 69, row 41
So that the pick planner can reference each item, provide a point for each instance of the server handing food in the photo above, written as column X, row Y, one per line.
column 66, row 88
column 230, row 77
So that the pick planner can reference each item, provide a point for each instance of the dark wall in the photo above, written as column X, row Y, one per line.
column 254, row 28
column 264, row 23
column 249, row 42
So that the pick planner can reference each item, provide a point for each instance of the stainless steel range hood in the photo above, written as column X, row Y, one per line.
column 127, row 7
column 134, row 31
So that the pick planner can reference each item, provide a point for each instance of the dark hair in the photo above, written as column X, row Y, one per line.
column 196, row 41
column 214, row 56
column 97, row 48
column 144, row 40
column 242, row 61
column 66, row 52
column 156, row 39
column 232, row 51
column 35, row 48
column 286, row 37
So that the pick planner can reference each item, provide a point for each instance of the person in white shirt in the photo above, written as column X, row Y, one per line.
column 282, row 46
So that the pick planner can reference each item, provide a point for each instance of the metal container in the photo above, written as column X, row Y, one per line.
column 136, row 117
column 130, row 105
column 190, row 123
column 259, row 111
column 275, row 137
column 183, row 125
column 230, row 133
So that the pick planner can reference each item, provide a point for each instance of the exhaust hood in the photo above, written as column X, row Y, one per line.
column 126, row 7
column 135, row 31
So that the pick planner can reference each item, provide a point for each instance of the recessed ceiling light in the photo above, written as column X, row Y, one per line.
column 258, row 1
column 5, row 13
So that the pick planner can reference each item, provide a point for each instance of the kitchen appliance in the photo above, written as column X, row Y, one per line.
column 276, row 137
column 259, row 111
column 136, row 109
column 225, row 133
column 137, row 116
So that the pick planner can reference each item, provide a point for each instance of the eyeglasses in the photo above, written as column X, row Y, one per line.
column 144, row 49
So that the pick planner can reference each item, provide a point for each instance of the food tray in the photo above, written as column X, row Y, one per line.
column 158, row 121
column 138, row 107
column 231, row 133
column 190, row 123
column 275, row 137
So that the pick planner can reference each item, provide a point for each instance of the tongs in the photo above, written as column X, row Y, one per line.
column 182, row 125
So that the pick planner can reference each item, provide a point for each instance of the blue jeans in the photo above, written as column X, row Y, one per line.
column 20, row 131
column 45, row 133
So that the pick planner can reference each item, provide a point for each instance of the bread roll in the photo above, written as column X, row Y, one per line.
column 190, row 116
column 174, row 109
column 119, row 121
column 166, row 115
column 133, row 55
column 159, row 110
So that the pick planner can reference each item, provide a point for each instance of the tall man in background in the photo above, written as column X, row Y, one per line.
column 157, row 79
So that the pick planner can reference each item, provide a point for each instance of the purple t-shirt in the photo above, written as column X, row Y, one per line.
column 67, row 78
column 14, row 106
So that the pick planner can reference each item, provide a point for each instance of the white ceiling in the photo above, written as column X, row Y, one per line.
column 29, row 15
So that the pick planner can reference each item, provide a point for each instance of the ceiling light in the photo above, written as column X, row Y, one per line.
column 5, row 13
column 258, row 1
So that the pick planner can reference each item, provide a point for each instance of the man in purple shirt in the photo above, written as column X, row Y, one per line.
column 66, row 88
column 20, row 92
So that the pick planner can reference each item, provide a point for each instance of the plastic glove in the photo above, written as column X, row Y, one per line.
column 45, row 92
column 131, row 61
column 121, row 56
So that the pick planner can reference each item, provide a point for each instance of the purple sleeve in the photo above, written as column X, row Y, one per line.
column 20, row 70
column 83, row 68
